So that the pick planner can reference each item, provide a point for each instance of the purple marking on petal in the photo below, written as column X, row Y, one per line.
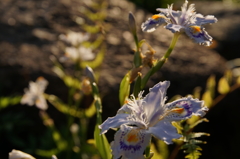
column 151, row 22
column 198, row 35
column 131, row 147
column 187, row 106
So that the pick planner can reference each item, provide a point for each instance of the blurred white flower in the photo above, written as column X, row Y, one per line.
column 74, row 38
column 34, row 95
column 16, row 154
column 79, row 54
column 54, row 157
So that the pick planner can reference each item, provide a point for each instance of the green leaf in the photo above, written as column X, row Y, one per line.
column 178, row 126
column 211, row 85
column 99, row 16
column 228, row 75
column 97, row 61
column 156, row 154
column 62, row 107
column 238, row 80
column 141, row 42
column 91, row 29
column 124, row 88
column 137, row 59
column 154, row 69
column 72, row 82
column 192, row 125
column 197, row 92
column 95, row 44
column 223, row 86
column 199, row 134
column 192, row 120
column 207, row 98
column 102, row 144
column 47, row 153
column 7, row 101
column 147, row 152
column 160, row 150
column 60, row 73
column 137, row 85
column 193, row 155
column 89, row 112
column 151, row 154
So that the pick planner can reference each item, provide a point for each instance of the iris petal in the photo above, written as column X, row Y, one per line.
column 174, row 28
column 201, row 20
column 114, row 122
column 130, row 142
column 152, row 23
column 120, row 119
column 154, row 101
column 164, row 131
column 41, row 102
column 184, row 108
column 199, row 36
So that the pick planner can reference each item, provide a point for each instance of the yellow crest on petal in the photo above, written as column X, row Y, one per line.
column 178, row 110
column 196, row 29
column 157, row 16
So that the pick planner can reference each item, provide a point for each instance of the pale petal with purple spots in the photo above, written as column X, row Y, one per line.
column 199, row 35
column 130, row 143
column 154, row 22
column 184, row 108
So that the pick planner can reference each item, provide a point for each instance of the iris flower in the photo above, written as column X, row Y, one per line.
column 75, row 38
column 186, row 20
column 34, row 95
column 79, row 53
column 16, row 154
column 141, row 118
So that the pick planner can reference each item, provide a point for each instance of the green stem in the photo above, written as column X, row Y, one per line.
column 172, row 45
column 137, row 55
column 160, row 63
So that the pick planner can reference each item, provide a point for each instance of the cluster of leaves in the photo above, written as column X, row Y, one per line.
column 214, row 93
column 70, row 140
column 66, row 141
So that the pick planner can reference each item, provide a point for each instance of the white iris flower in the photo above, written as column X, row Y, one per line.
column 16, row 154
column 186, row 20
column 80, row 53
column 75, row 38
column 34, row 95
column 142, row 118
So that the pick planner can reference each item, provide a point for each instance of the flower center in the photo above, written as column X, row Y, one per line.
column 132, row 137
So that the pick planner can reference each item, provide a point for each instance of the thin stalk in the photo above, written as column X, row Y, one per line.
column 160, row 63
column 172, row 45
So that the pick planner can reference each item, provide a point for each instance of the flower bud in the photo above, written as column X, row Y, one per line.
column 132, row 23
